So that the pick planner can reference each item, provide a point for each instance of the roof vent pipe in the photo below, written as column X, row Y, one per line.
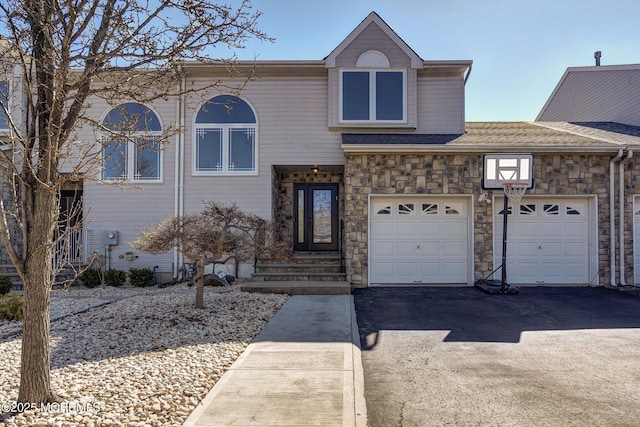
column 597, row 55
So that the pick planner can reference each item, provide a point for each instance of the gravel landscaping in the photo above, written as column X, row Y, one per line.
column 134, row 357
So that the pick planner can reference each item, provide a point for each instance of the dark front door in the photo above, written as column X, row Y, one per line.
column 315, row 217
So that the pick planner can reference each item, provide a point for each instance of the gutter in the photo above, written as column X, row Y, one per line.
column 612, row 218
column 468, row 73
column 621, row 213
column 439, row 148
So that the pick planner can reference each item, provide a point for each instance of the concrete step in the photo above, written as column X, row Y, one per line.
column 311, row 287
column 298, row 276
column 297, row 268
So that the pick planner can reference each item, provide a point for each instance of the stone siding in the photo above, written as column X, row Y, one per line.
column 449, row 174
column 283, row 184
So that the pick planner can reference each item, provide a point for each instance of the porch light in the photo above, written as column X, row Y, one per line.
column 315, row 169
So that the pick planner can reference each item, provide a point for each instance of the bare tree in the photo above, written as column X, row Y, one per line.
column 60, row 54
column 216, row 235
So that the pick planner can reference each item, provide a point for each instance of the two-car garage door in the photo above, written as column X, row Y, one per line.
column 419, row 240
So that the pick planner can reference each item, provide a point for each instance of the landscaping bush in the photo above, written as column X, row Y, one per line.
column 5, row 284
column 11, row 307
column 140, row 277
column 115, row 277
column 91, row 277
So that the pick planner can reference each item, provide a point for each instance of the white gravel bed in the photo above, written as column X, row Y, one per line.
column 145, row 359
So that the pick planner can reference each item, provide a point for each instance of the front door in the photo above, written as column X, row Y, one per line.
column 315, row 217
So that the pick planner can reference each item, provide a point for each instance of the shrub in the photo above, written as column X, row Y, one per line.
column 91, row 277
column 11, row 307
column 115, row 277
column 140, row 277
column 5, row 284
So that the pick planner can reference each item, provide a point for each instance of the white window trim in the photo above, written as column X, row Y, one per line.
column 372, row 95
column 131, row 145
column 225, row 127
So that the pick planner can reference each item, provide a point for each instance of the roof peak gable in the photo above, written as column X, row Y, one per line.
column 373, row 17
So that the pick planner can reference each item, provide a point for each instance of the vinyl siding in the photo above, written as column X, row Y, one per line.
column 127, row 209
column 440, row 104
column 596, row 95
column 292, row 130
column 373, row 38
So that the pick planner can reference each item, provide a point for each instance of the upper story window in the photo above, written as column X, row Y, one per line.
column 132, row 150
column 225, row 137
column 373, row 92
column 4, row 105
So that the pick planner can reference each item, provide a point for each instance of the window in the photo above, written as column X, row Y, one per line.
column 376, row 95
column 225, row 139
column 132, row 150
column 4, row 105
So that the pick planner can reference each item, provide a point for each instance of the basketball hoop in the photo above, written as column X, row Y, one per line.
column 514, row 190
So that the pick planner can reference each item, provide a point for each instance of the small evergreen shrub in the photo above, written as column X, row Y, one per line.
column 11, row 307
column 140, row 277
column 115, row 277
column 91, row 277
column 5, row 284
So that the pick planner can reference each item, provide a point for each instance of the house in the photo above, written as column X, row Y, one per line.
column 602, row 102
column 365, row 154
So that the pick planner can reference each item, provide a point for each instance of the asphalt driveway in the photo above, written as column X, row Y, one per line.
column 436, row 356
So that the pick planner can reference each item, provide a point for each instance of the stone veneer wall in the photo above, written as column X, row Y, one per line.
column 284, row 199
column 441, row 174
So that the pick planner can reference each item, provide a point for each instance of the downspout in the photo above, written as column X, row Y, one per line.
column 178, row 168
column 621, row 213
column 612, row 218
column 183, row 113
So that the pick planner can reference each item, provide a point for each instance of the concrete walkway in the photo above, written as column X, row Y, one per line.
column 304, row 369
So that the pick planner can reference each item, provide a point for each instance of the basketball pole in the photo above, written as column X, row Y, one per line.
column 505, row 215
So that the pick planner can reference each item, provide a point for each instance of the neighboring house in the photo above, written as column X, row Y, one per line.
column 365, row 153
column 604, row 102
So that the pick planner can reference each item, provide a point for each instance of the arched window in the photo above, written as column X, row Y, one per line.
column 131, row 150
column 225, row 137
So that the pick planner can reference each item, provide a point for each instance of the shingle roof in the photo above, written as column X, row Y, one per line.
column 504, row 136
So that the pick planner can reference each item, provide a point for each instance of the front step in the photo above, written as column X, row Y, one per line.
column 298, row 287
column 306, row 274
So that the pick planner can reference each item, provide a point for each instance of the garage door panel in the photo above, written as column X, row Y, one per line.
column 406, row 269
column 552, row 249
column 406, row 228
column 429, row 229
column 575, row 229
column 430, row 270
column 453, row 248
column 382, row 229
column 382, row 249
column 430, row 249
column 575, row 249
column 517, row 249
column 454, row 272
column 550, row 230
column 525, row 229
column 406, row 249
column 453, row 229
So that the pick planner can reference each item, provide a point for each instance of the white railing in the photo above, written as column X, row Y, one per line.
column 68, row 249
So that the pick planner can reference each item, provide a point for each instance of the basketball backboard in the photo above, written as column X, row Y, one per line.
column 507, row 167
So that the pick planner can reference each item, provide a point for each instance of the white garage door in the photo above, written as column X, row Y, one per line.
column 547, row 241
column 419, row 240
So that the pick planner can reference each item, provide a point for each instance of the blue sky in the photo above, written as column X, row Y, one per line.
column 519, row 48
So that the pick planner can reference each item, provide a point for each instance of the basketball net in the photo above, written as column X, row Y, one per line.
column 514, row 191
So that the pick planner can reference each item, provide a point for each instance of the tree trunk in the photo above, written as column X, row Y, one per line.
column 198, row 280
column 35, row 379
